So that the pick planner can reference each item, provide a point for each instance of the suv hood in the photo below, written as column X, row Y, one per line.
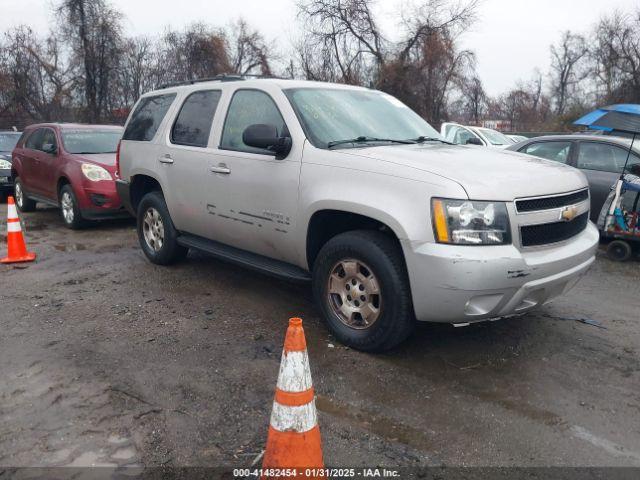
column 484, row 173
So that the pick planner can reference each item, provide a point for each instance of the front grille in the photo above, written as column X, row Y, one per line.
column 547, row 203
column 546, row 233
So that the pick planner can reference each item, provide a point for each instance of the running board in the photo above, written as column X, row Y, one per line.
column 251, row 260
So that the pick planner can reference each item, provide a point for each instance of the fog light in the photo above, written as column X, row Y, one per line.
column 98, row 199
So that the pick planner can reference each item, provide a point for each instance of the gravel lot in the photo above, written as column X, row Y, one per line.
column 106, row 359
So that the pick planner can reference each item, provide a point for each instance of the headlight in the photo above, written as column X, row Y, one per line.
column 5, row 165
column 95, row 173
column 465, row 222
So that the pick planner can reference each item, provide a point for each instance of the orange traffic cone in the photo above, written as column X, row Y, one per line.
column 294, row 436
column 15, row 240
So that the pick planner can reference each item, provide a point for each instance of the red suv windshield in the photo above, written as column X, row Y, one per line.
column 91, row 141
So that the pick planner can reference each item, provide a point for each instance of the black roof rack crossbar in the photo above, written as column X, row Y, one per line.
column 223, row 77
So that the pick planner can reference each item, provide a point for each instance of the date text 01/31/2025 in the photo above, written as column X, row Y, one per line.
column 315, row 472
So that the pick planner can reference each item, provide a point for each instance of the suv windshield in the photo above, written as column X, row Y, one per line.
column 495, row 137
column 91, row 141
column 8, row 141
column 332, row 117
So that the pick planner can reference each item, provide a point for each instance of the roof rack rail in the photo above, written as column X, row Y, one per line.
column 223, row 77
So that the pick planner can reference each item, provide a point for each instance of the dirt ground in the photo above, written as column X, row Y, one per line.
column 106, row 359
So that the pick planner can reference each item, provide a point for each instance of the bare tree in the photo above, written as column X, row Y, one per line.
column 248, row 50
column 616, row 57
column 198, row 51
column 94, row 33
column 37, row 81
column 566, row 68
column 342, row 41
column 474, row 98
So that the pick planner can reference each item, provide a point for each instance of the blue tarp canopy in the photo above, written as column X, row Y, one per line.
column 621, row 118
column 631, row 187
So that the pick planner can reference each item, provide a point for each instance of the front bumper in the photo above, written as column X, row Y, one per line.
column 464, row 284
column 100, row 200
column 6, row 182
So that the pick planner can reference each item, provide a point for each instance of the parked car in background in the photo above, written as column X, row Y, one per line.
column 600, row 157
column 517, row 138
column 8, row 141
column 350, row 189
column 467, row 135
column 70, row 166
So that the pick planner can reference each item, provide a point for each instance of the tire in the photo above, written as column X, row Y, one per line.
column 156, row 232
column 69, row 209
column 23, row 203
column 619, row 251
column 375, row 254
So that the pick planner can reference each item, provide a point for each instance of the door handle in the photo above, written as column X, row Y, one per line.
column 220, row 168
column 166, row 158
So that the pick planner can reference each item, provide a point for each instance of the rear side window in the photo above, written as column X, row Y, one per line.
column 147, row 117
column 34, row 142
column 249, row 107
column 604, row 157
column 193, row 124
column 556, row 151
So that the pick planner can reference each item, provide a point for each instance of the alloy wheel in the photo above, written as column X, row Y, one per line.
column 153, row 229
column 354, row 294
column 66, row 204
column 19, row 194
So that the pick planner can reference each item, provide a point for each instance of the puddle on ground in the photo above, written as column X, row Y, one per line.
column 90, row 459
column 71, row 247
column 381, row 426
column 517, row 406
column 124, row 453
column 36, row 227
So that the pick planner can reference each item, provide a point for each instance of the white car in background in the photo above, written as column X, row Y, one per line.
column 467, row 135
column 518, row 138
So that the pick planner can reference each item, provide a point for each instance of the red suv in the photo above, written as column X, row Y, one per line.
column 70, row 166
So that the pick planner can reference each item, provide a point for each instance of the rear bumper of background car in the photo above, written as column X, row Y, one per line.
column 464, row 284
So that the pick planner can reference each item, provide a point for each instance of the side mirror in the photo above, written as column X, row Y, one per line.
column 266, row 137
column 49, row 148
column 474, row 141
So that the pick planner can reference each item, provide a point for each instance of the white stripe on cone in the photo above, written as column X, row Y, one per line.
column 295, row 374
column 294, row 419
column 13, row 227
column 12, row 212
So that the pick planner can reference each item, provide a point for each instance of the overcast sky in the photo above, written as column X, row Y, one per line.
column 511, row 37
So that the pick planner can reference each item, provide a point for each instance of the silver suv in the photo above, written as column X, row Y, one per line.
column 348, row 188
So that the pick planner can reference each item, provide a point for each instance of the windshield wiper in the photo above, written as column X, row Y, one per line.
column 422, row 139
column 363, row 139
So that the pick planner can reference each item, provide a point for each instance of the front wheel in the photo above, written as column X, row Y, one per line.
column 156, row 233
column 361, row 285
column 24, row 203
column 69, row 209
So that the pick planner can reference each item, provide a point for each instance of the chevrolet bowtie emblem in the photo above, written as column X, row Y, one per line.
column 568, row 213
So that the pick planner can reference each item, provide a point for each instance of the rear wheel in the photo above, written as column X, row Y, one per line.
column 23, row 203
column 69, row 210
column 361, row 285
column 156, row 233
column 619, row 251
